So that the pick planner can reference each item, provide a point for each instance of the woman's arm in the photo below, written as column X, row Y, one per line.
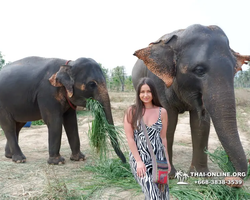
column 163, row 134
column 141, row 169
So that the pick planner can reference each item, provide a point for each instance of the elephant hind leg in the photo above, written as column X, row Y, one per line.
column 12, row 149
column 8, row 153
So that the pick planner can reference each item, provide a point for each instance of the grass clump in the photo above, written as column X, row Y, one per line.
column 56, row 187
column 114, row 171
column 208, row 192
column 220, row 157
column 188, row 192
column 101, row 133
column 109, row 173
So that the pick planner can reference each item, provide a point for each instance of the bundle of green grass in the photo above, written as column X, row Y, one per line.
column 102, row 134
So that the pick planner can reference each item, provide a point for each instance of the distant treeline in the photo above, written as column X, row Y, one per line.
column 117, row 80
column 242, row 79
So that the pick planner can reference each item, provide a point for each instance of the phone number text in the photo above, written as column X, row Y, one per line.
column 218, row 182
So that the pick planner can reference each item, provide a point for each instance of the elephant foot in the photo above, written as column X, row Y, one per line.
column 171, row 175
column 78, row 157
column 57, row 160
column 234, row 181
column 192, row 169
column 8, row 155
column 18, row 158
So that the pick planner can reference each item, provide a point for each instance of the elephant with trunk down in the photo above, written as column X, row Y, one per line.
column 50, row 89
column 194, row 70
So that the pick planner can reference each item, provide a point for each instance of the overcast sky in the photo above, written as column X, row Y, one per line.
column 110, row 31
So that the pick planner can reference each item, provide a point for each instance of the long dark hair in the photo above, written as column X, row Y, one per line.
column 137, row 110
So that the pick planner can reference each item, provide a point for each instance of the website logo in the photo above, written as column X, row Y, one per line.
column 182, row 177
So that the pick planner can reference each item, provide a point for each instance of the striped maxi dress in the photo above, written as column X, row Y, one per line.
column 149, row 188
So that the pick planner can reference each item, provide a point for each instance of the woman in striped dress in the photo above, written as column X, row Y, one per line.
column 148, row 107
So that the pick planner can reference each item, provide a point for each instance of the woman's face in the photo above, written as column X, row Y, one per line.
column 145, row 94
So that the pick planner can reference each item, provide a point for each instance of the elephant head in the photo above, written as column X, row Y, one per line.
column 84, row 79
column 198, row 64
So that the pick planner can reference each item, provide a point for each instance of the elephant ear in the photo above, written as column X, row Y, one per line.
column 63, row 78
column 240, row 60
column 159, row 57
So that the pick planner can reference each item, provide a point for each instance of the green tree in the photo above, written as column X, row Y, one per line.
column 2, row 61
column 118, row 77
column 106, row 75
column 129, row 84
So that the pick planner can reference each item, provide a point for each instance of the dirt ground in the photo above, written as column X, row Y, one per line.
column 32, row 179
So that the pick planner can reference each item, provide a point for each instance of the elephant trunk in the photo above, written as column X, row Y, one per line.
column 221, row 107
column 104, row 100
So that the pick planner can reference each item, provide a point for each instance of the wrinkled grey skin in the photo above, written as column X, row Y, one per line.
column 194, row 71
column 38, row 88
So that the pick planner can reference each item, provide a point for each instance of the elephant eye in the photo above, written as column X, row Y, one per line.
column 199, row 70
column 92, row 84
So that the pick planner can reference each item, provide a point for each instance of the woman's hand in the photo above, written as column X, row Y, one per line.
column 141, row 169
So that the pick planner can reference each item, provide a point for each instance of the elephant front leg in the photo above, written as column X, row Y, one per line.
column 71, row 128
column 200, row 132
column 172, row 122
column 54, row 123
